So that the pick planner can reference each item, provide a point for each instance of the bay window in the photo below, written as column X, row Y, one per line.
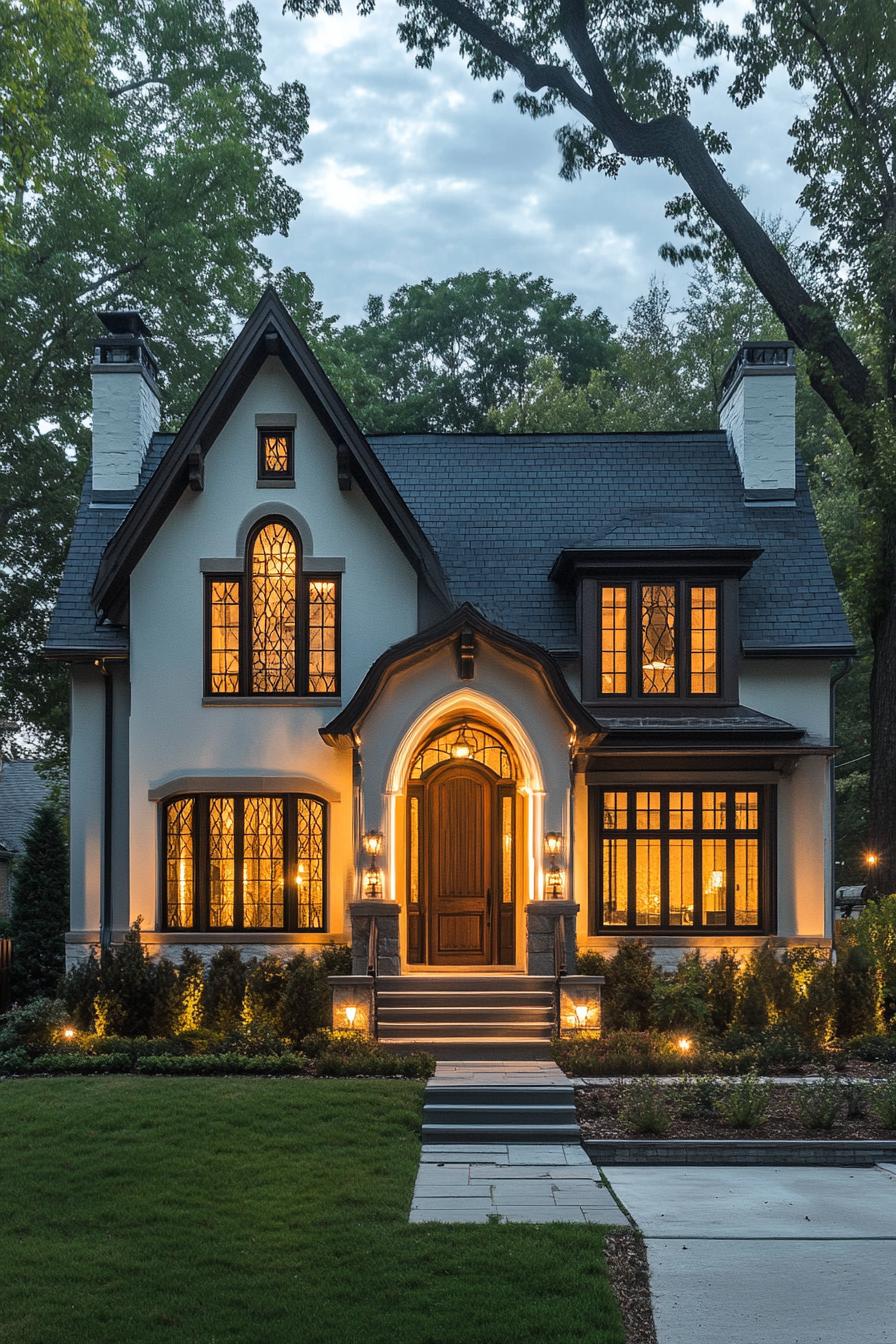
column 676, row 858
column 240, row 861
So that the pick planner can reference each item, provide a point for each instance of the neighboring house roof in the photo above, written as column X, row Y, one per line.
column 269, row 331
column 22, row 790
column 500, row 508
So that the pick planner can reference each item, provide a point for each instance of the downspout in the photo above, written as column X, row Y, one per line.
column 832, row 787
column 106, row 890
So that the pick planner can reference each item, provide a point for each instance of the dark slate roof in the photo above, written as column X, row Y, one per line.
column 73, row 624
column 499, row 509
column 21, row 793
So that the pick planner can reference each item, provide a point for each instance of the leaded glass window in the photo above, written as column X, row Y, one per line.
column 224, row 637
column 179, row 863
column 482, row 746
column 273, row 631
column 274, row 578
column 310, row 862
column 653, row 638
column 674, row 858
column 275, row 454
column 322, row 633
column 263, row 862
column 658, row 639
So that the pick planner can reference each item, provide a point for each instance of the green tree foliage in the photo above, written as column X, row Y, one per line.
column 440, row 355
column 140, row 148
column 626, row 75
column 40, row 907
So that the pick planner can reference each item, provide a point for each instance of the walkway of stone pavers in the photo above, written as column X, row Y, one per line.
column 515, row 1182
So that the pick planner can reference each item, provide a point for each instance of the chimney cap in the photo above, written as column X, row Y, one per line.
column 758, row 357
column 124, row 322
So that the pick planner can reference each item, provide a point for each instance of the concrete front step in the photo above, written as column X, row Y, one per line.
column 395, row 1030
column 491, row 1094
column 438, row 1001
column 461, row 1116
column 471, row 1049
column 466, row 983
column 500, row 1132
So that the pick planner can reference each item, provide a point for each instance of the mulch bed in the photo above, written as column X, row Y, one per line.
column 630, row 1277
column 600, row 1117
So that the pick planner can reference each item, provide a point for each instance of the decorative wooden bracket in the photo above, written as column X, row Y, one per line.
column 466, row 654
column 343, row 467
column 196, row 468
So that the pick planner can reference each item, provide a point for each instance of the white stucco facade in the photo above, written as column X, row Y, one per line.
column 145, row 731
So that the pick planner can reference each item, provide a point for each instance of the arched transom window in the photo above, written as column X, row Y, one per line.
column 464, row 741
column 273, row 630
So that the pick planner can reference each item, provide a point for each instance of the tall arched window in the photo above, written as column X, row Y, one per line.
column 274, row 567
column 274, row 629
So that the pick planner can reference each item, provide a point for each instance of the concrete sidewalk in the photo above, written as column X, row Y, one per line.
column 767, row 1255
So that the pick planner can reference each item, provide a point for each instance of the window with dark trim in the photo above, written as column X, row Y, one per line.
column 274, row 629
column 672, row 858
column 658, row 639
column 276, row 454
column 244, row 861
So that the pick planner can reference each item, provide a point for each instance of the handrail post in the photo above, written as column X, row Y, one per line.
column 559, row 963
column 372, row 958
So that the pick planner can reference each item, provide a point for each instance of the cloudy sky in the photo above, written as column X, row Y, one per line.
column 412, row 173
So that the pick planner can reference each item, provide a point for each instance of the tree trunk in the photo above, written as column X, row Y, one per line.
column 882, row 802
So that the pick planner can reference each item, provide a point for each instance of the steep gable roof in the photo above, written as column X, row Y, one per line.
column 500, row 508
column 269, row 331
column 22, row 790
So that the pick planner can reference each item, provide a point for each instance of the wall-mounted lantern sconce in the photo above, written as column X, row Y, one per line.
column 372, row 842
column 553, row 846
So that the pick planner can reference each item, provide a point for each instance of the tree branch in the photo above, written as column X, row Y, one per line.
column 120, row 89
column 111, row 275
column 837, row 374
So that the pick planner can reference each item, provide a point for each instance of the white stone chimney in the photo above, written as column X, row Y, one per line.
column 124, row 375
column 757, row 413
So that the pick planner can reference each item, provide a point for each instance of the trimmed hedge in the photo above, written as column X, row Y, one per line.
column 371, row 1062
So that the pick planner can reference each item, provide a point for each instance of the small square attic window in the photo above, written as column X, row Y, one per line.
column 275, row 454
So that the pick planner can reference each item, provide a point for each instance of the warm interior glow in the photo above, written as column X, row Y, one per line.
column 464, row 744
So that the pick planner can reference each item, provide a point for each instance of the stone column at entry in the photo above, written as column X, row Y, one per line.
column 361, row 914
column 542, row 918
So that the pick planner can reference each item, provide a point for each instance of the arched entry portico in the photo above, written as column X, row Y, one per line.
column 464, row 807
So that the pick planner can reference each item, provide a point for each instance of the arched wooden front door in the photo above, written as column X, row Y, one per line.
column 463, row 915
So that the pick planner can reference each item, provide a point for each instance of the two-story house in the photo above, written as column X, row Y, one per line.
column 469, row 681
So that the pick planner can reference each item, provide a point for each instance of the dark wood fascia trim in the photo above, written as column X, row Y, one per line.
column 269, row 329
column 643, row 561
column 464, row 619
column 747, row 756
column 750, row 650
column 80, row 654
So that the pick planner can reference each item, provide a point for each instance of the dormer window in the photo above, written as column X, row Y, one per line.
column 272, row 630
column 677, row 647
column 658, row 626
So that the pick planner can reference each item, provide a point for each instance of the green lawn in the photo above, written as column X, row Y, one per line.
column 259, row 1210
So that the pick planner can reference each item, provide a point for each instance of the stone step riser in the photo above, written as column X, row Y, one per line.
column 464, row 1116
column 500, row 1133
column 467, row 984
column 481, row 1015
column 503, row 1095
column 486, row 1031
column 498, row 1003
column 476, row 1051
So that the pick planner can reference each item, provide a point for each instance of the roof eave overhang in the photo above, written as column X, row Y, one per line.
column 753, row 650
column 79, row 653
column 269, row 331
column 720, row 561
column 343, row 728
